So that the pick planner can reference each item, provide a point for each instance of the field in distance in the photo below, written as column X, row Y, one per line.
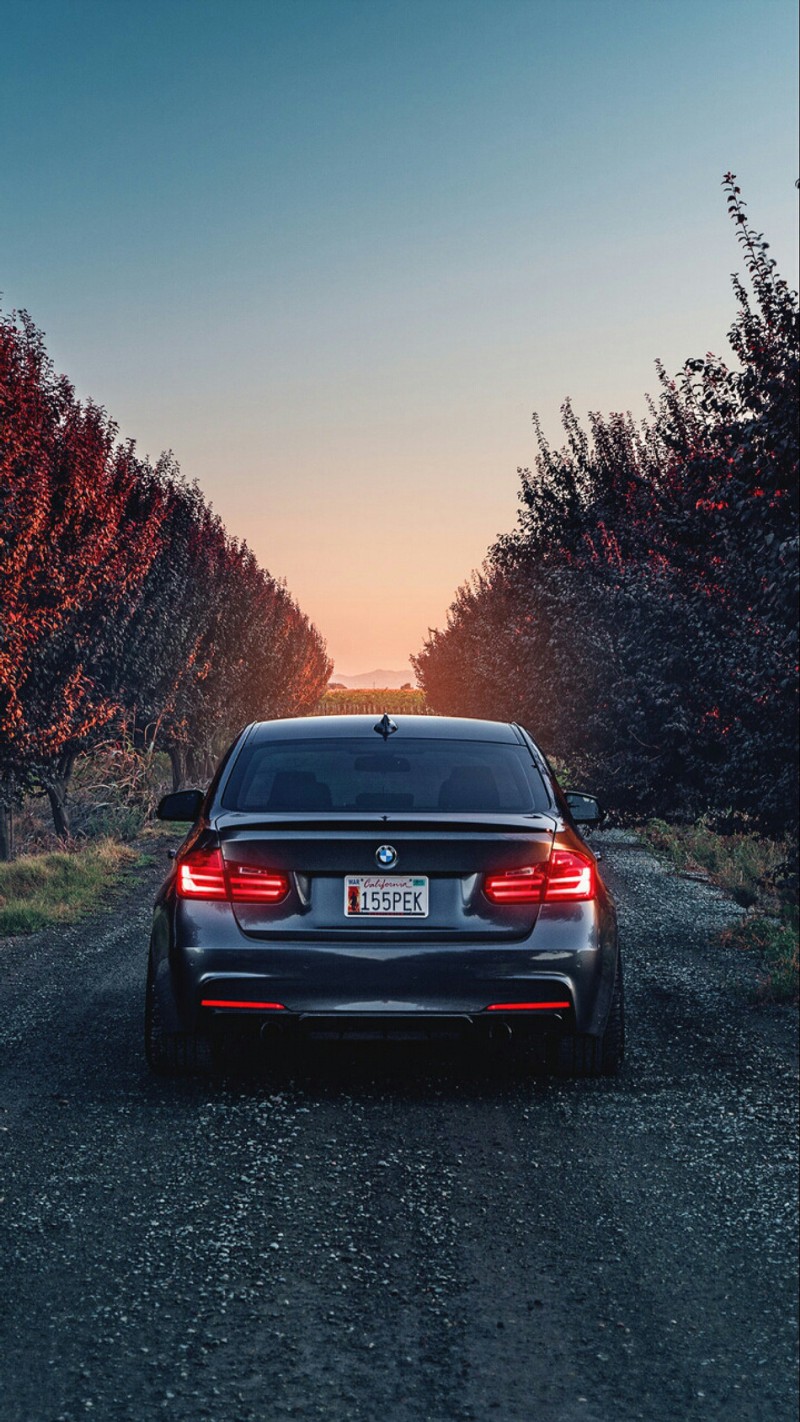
column 346, row 702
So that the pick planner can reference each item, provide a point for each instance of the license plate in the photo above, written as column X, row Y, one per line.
column 385, row 896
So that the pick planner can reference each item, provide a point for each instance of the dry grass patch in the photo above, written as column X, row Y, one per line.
column 745, row 865
column 758, row 873
column 776, row 945
column 38, row 890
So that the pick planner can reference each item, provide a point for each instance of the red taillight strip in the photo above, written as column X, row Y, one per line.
column 517, row 886
column 254, row 1006
column 570, row 876
column 203, row 874
column 566, row 877
column 524, row 1006
column 251, row 885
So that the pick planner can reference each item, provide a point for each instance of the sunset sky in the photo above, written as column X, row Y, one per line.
column 334, row 253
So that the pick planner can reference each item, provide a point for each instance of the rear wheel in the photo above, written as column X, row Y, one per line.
column 579, row 1054
column 614, row 1035
column 170, row 1053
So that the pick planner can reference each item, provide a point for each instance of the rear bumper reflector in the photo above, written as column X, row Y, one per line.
column 252, row 1006
column 526, row 1006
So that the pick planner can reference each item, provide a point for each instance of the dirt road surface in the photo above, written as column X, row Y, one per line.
column 405, row 1234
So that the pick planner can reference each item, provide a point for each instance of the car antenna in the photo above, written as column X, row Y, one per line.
column 385, row 727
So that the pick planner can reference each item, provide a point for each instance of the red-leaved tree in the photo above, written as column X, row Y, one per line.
column 79, row 528
column 123, row 599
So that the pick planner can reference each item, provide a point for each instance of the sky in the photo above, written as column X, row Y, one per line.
column 335, row 253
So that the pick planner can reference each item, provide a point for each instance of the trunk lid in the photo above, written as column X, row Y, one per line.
column 453, row 853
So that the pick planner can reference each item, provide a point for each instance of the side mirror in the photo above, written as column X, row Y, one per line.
column 585, row 809
column 181, row 805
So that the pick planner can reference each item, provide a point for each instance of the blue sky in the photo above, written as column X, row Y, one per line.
column 334, row 253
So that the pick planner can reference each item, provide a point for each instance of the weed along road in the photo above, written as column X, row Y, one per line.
column 401, row 1233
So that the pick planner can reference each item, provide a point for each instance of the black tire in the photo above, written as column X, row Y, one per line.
column 614, row 1036
column 170, row 1053
column 579, row 1054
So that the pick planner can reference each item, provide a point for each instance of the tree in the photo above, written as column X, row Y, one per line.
column 123, row 598
column 78, row 531
column 641, row 615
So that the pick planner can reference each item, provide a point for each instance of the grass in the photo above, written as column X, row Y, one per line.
column 113, row 794
column 745, row 865
column 39, row 890
column 758, row 873
column 776, row 946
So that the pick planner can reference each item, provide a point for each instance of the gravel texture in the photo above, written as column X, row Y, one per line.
column 401, row 1232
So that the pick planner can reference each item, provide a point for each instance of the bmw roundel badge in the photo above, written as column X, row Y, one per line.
column 386, row 856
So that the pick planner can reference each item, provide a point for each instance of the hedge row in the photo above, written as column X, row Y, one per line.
column 641, row 618
column 122, row 597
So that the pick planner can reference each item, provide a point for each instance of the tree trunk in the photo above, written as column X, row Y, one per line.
column 57, row 792
column 57, row 795
column 6, row 832
column 197, row 763
column 177, row 758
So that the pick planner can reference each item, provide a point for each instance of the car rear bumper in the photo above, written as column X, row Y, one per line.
column 563, row 972
column 386, row 1019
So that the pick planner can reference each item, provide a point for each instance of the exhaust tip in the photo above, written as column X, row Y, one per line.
column 500, row 1032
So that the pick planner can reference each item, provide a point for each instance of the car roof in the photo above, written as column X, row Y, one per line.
column 449, row 728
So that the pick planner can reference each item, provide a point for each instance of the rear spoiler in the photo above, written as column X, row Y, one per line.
column 396, row 823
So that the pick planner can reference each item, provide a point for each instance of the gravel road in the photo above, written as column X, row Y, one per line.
column 401, row 1233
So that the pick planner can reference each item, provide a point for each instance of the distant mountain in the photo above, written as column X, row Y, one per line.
column 366, row 680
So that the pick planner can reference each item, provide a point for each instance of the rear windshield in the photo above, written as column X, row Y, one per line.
column 472, row 777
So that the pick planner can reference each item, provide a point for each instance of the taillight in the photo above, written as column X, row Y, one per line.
column 203, row 874
column 517, row 886
column 250, row 885
column 564, row 878
column 569, row 876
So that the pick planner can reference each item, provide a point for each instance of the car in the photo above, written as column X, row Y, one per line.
column 347, row 878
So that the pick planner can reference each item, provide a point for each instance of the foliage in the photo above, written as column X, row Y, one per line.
column 758, row 873
column 79, row 521
column 38, row 890
column 124, row 601
column 641, row 617
column 749, row 867
column 116, row 788
column 114, row 791
column 776, row 946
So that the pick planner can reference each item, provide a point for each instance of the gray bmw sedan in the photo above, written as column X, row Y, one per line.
column 351, row 878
